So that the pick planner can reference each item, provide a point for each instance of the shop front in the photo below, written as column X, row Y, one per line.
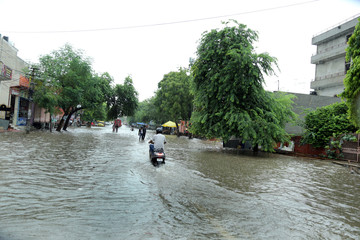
column 19, row 103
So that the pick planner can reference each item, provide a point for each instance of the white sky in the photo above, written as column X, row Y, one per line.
column 147, row 53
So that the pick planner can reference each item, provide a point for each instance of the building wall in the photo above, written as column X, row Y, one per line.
column 329, row 59
column 334, row 66
column 8, row 56
column 310, row 102
column 331, row 44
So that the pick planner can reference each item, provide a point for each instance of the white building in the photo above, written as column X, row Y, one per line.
column 13, row 84
column 330, row 55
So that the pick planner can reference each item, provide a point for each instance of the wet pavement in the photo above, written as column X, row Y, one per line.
column 96, row 184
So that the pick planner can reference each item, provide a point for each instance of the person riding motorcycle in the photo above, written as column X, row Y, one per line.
column 158, row 141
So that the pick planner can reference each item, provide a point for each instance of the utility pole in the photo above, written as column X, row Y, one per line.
column 30, row 116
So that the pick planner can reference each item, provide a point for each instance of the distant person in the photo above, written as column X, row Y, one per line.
column 144, row 133
column 158, row 141
column 141, row 133
column 117, row 124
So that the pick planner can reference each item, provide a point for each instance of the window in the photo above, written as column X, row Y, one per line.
column 348, row 37
column 347, row 66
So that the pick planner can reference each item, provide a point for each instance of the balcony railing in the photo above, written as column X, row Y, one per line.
column 342, row 22
column 333, row 75
column 340, row 45
column 333, row 52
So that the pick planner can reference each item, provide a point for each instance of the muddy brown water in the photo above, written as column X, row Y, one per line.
column 95, row 184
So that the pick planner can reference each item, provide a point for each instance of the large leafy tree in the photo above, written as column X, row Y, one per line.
column 352, row 79
column 124, row 100
column 98, row 100
column 326, row 122
column 173, row 97
column 43, row 94
column 66, row 78
column 146, row 112
column 95, row 114
column 230, row 100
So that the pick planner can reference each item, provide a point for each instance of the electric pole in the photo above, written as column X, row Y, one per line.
column 30, row 116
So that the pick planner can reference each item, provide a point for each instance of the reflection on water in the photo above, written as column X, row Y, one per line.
column 95, row 184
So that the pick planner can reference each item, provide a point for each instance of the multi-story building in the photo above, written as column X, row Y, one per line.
column 13, row 84
column 14, row 91
column 329, row 59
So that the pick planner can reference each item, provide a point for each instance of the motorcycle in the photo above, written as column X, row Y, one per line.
column 157, row 154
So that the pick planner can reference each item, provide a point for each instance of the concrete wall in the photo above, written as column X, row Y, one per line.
column 331, row 91
column 333, row 43
column 335, row 66
column 304, row 101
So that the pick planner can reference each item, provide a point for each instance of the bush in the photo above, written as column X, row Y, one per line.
column 325, row 122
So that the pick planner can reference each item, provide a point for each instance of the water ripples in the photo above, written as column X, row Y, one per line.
column 95, row 184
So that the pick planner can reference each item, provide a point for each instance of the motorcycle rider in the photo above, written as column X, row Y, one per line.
column 158, row 141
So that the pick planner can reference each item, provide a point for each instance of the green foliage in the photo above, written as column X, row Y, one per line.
column 99, row 113
column 229, row 97
column 173, row 99
column 146, row 112
column 124, row 100
column 334, row 149
column 323, row 123
column 44, row 95
column 69, row 72
column 66, row 81
column 352, row 79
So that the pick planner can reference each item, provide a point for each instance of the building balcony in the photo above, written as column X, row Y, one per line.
column 329, row 54
column 342, row 29
column 331, row 80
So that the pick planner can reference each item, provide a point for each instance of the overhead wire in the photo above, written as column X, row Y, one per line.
column 162, row 24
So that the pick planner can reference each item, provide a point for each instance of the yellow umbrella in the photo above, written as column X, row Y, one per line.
column 169, row 124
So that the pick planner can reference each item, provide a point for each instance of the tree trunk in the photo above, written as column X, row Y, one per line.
column 69, row 116
column 66, row 112
column 177, row 128
column 60, row 124
column 256, row 148
column 50, row 123
column 68, row 120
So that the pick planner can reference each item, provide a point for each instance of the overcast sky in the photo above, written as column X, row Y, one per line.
column 149, row 38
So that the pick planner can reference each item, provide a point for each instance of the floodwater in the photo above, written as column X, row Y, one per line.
column 96, row 184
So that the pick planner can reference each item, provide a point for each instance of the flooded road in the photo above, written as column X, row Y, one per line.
column 95, row 184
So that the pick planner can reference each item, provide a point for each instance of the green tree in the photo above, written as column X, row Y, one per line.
column 68, row 76
column 229, row 97
column 98, row 98
column 173, row 97
column 146, row 112
column 325, row 122
column 44, row 96
column 352, row 78
column 124, row 100
column 99, row 113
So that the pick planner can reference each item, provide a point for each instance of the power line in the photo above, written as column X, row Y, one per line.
column 162, row 24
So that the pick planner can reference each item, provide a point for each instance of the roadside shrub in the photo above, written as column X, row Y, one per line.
column 325, row 122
